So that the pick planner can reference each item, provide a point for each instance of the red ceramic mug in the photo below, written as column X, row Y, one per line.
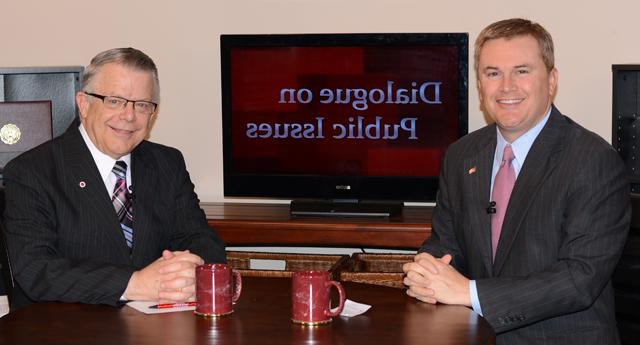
column 311, row 298
column 217, row 288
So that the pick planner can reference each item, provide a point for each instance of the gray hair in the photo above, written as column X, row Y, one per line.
column 129, row 57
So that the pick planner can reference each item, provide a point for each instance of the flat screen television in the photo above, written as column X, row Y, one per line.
column 351, row 120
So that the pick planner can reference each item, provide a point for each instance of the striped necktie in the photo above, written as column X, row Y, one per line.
column 122, row 201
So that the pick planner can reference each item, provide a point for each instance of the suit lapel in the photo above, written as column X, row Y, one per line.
column 478, row 183
column 538, row 166
column 87, row 187
column 144, row 190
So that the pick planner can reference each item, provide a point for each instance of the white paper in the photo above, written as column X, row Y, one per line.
column 267, row 264
column 143, row 306
column 352, row 308
column 4, row 306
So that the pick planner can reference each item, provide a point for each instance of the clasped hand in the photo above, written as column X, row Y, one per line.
column 433, row 280
column 171, row 278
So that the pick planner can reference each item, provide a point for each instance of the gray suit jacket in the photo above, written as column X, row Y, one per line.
column 563, row 233
column 63, row 234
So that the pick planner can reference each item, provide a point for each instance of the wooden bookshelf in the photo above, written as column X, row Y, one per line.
column 248, row 224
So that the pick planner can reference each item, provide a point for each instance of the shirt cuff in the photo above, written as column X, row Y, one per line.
column 475, row 301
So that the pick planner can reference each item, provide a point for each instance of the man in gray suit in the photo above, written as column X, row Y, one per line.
column 99, row 214
column 543, row 274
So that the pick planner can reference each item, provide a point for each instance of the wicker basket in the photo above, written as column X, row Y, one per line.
column 378, row 269
column 293, row 262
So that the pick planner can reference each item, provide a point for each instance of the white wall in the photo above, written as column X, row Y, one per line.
column 182, row 37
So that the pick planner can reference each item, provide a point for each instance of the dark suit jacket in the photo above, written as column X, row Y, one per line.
column 563, row 233
column 63, row 235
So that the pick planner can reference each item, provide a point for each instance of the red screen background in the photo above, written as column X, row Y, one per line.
column 259, row 74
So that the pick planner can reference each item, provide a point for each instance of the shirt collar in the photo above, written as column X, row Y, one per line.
column 104, row 162
column 522, row 145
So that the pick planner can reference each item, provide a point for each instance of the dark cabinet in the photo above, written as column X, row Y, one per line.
column 55, row 84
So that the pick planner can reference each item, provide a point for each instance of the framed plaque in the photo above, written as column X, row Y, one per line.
column 23, row 125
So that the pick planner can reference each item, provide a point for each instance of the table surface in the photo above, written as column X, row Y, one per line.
column 262, row 316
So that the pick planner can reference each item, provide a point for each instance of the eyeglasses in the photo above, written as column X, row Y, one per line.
column 119, row 103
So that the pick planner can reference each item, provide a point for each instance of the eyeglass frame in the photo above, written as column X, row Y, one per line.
column 126, row 101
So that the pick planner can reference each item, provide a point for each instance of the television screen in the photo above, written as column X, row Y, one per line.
column 341, row 116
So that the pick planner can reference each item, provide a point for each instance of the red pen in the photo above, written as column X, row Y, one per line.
column 173, row 305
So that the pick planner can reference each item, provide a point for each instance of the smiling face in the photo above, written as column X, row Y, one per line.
column 515, row 87
column 116, row 132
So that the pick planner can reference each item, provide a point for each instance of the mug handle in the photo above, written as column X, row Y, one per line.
column 342, row 298
column 237, row 287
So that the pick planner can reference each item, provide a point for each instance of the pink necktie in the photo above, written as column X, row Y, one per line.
column 502, row 187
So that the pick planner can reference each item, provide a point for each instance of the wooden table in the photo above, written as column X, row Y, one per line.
column 249, row 224
column 260, row 317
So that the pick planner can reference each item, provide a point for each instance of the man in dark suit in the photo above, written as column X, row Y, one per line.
column 99, row 214
column 542, row 275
